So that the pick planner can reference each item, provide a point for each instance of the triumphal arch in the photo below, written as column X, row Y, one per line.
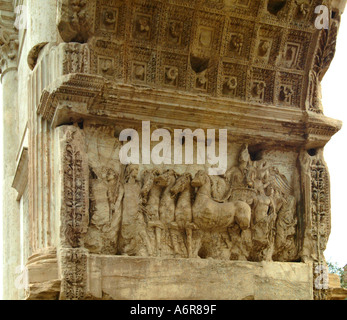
column 166, row 149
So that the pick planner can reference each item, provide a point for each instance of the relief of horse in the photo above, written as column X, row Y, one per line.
column 167, row 204
column 183, row 212
column 209, row 214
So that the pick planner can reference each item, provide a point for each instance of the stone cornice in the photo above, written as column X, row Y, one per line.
column 77, row 97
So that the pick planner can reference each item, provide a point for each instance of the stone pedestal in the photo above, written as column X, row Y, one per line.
column 335, row 291
column 136, row 278
column 127, row 278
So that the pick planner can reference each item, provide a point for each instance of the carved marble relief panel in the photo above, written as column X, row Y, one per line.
column 320, row 205
column 163, row 210
column 291, row 54
column 74, row 274
column 316, row 194
column 106, row 191
column 110, row 21
column 75, row 58
column 204, row 81
column 74, row 212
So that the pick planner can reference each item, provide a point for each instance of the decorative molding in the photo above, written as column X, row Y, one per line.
column 76, row 19
column 316, row 223
column 75, row 205
column 323, row 57
column 8, row 48
column 73, row 273
column 97, row 97
column 74, row 214
column 9, row 43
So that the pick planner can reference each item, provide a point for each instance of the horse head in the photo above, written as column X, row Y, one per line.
column 201, row 178
column 181, row 184
column 166, row 179
column 148, row 177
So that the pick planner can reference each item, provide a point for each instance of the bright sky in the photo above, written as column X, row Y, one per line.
column 334, row 87
column 335, row 106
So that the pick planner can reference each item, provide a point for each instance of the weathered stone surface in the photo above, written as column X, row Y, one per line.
column 335, row 292
column 334, row 280
column 153, row 278
column 9, row 78
column 48, row 290
column 43, row 276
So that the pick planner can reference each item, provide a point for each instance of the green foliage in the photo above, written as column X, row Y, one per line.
column 342, row 272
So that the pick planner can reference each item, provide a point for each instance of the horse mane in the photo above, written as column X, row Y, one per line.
column 173, row 173
column 212, row 187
